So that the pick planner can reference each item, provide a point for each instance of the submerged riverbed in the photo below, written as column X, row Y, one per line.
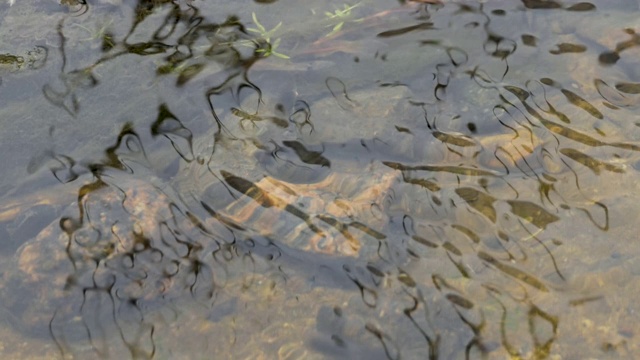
column 381, row 179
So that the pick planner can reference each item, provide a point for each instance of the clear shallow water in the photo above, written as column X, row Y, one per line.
column 384, row 181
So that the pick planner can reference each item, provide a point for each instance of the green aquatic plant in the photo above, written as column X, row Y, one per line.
column 170, row 67
column 96, row 34
column 100, row 33
column 341, row 15
column 268, row 47
column 261, row 30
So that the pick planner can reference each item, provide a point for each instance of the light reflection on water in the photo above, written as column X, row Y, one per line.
column 419, row 180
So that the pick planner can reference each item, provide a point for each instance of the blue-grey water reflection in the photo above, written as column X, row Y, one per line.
column 380, row 179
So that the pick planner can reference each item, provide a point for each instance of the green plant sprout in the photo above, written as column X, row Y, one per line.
column 340, row 14
column 271, row 50
column 99, row 33
column 265, row 36
column 170, row 68
column 261, row 30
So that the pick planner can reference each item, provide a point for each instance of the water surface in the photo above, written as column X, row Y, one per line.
column 336, row 180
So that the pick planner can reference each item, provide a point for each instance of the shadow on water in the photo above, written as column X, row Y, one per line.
column 438, row 179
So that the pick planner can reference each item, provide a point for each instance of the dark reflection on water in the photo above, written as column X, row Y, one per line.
column 417, row 180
